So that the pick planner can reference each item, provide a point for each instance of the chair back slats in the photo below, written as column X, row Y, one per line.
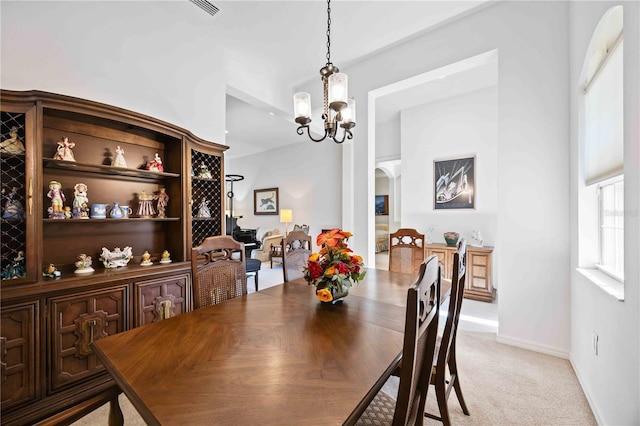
column 455, row 303
column 406, row 250
column 421, row 329
column 296, row 249
column 218, row 270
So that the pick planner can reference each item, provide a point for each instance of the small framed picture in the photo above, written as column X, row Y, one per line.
column 265, row 201
column 382, row 205
column 454, row 183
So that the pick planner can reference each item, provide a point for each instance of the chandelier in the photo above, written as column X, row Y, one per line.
column 339, row 110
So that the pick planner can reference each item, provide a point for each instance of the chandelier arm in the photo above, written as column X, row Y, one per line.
column 300, row 131
column 344, row 136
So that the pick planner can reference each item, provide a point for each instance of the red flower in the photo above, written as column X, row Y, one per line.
column 342, row 268
column 315, row 270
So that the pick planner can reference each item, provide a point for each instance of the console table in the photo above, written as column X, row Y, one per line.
column 478, row 283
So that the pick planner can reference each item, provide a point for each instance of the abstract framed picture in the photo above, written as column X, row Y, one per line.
column 265, row 201
column 454, row 183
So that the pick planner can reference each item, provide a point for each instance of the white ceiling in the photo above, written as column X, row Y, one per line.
column 292, row 34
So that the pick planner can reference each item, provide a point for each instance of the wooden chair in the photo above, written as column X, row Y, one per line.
column 421, row 329
column 406, row 250
column 296, row 249
column 218, row 270
column 446, row 351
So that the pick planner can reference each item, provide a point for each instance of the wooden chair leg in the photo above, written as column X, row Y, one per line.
column 115, row 413
column 441, row 395
column 453, row 369
column 256, row 279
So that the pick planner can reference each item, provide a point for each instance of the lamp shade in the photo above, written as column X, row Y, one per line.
column 286, row 215
column 338, row 91
column 349, row 113
column 302, row 107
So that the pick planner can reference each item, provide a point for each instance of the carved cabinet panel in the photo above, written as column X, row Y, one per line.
column 19, row 347
column 162, row 298
column 445, row 257
column 76, row 321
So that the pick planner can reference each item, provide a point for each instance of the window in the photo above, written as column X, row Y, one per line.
column 611, row 199
column 601, row 154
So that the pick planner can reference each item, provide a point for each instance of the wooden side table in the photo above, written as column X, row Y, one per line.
column 275, row 253
column 478, row 283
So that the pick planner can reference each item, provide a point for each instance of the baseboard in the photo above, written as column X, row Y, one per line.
column 586, row 394
column 525, row 344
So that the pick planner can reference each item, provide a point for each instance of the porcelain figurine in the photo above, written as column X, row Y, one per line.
column 165, row 257
column 83, row 264
column 118, row 160
column 427, row 235
column 13, row 145
column 16, row 269
column 476, row 238
column 57, row 200
column 204, row 172
column 80, row 201
column 155, row 165
column 203, row 210
column 13, row 208
column 146, row 259
column 116, row 258
column 116, row 211
column 63, row 152
column 163, row 200
column 51, row 271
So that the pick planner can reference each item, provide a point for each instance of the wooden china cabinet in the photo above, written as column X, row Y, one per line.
column 47, row 366
column 478, row 282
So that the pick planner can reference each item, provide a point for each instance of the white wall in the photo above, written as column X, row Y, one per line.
column 610, row 379
column 133, row 55
column 461, row 126
column 533, row 154
column 307, row 181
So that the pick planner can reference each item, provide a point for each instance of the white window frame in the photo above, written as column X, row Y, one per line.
column 614, row 269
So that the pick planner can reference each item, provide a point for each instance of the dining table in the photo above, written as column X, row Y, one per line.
column 275, row 357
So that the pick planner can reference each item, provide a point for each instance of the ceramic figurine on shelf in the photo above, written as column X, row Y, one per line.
column 204, row 172
column 13, row 145
column 83, row 264
column 80, row 201
column 51, row 271
column 63, row 152
column 67, row 212
column 117, row 257
column 146, row 259
column 155, row 165
column 163, row 200
column 427, row 235
column 57, row 200
column 13, row 207
column 16, row 269
column 165, row 257
column 203, row 210
column 145, row 209
column 118, row 160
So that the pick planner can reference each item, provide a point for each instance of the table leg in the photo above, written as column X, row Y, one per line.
column 115, row 413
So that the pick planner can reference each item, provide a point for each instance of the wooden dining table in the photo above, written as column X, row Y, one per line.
column 273, row 357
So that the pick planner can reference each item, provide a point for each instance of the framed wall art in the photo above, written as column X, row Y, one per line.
column 265, row 201
column 454, row 183
column 382, row 205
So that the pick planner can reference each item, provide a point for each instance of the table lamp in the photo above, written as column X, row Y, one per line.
column 286, row 216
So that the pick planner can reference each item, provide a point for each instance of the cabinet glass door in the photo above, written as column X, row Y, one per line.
column 206, row 189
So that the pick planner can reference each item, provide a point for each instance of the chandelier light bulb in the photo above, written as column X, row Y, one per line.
column 338, row 91
column 349, row 113
column 302, row 107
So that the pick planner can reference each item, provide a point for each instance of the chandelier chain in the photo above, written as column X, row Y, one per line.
column 328, row 32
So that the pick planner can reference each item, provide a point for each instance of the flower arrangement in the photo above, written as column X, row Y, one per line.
column 334, row 268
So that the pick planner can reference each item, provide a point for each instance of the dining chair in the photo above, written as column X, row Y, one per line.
column 218, row 271
column 420, row 331
column 406, row 250
column 446, row 350
column 296, row 249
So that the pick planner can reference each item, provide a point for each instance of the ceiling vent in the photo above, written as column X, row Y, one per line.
column 206, row 6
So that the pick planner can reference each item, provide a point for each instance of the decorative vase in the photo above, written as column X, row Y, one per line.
column 451, row 238
column 337, row 296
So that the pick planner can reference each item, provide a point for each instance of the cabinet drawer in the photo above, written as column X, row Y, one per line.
column 76, row 321
column 161, row 298
column 18, row 354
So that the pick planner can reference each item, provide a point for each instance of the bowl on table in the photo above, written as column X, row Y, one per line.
column 451, row 238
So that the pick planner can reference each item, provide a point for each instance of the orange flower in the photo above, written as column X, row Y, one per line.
column 332, row 238
column 324, row 295
column 331, row 270
column 314, row 257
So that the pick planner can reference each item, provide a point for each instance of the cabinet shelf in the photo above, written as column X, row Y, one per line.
column 110, row 220
column 100, row 169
